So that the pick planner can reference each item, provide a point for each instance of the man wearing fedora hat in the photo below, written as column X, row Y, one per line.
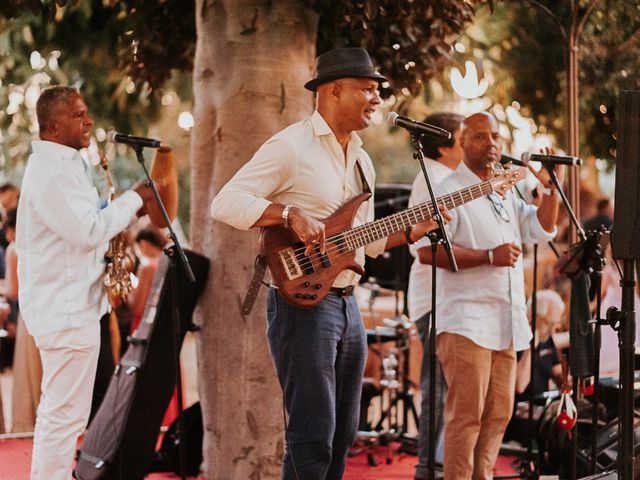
column 305, row 172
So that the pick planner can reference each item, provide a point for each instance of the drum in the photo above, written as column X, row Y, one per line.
column 381, row 335
column 555, row 445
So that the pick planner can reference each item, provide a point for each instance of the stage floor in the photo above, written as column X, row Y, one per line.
column 15, row 458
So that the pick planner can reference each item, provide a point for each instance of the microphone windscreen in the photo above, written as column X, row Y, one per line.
column 390, row 118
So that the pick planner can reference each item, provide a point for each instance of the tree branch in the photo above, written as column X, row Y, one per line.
column 633, row 40
column 584, row 18
column 555, row 18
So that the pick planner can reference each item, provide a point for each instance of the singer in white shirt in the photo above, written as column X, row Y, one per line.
column 482, row 317
column 61, row 237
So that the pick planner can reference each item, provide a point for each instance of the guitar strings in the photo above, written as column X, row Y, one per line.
column 340, row 241
column 340, row 245
column 305, row 261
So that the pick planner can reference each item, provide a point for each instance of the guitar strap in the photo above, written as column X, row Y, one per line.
column 254, row 287
column 261, row 265
column 365, row 185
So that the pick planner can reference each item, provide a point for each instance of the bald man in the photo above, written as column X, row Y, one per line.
column 306, row 172
column 482, row 317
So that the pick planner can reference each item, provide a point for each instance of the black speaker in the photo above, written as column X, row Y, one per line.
column 602, row 476
column 168, row 458
column 607, row 450
column 391, row 269
column 625, row 234
column 120, row 441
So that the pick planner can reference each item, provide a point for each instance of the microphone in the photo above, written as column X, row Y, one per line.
column 551, row 159
column 393, row 119
column 539, row 157
column 115, row 137
column 504, row 158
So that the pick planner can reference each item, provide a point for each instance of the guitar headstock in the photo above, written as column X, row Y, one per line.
column 504, row 179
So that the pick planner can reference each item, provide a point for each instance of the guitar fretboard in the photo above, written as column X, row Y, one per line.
column 370, row 232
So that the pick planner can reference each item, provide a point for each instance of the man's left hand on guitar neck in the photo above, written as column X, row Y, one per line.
column 415, row 233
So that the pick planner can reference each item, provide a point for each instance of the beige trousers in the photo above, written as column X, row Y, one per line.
column 69, row 361
column 478, row 407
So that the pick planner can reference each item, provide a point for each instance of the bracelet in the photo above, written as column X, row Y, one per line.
column 285, row 215
column 407, row 235
column 490, row 255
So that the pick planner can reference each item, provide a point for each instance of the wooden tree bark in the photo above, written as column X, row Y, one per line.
column 252, row 59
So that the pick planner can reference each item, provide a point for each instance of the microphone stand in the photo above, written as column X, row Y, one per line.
column 581, row 234
column 174, row 253
column 587, row 257
column 437, row 236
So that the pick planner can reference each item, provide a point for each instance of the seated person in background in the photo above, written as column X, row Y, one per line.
column 603, row 216
column 612, row 297
column 547, row 365
column 27, row 368
column 150, row 243
column 549, row 314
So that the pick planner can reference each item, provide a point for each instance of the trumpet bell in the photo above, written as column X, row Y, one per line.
column 164, row 175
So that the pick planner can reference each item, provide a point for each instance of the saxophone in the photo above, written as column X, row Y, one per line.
column 119, row 278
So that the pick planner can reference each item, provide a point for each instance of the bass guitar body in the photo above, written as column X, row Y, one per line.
column 304, row 281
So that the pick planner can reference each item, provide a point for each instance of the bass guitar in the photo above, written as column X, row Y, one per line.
column 305, row 280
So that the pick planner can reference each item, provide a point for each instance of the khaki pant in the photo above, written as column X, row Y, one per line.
column 478, row 407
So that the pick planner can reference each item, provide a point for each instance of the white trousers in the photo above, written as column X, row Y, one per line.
column 69, row 361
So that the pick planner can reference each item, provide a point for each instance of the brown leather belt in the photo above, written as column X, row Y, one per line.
column 342, row 292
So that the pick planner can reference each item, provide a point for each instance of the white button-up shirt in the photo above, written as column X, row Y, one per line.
column 61, row 238
column 419, row 291
column 302, row 165
column 486, row 303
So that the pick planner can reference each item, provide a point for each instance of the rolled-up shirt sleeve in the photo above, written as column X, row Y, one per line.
column 530, row 228
column 242, row 201
column 69, row 209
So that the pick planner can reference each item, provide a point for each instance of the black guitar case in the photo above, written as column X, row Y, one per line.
column 120, row 441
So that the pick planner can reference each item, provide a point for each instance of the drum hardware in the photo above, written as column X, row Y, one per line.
column 393, row 388
column 397, row 389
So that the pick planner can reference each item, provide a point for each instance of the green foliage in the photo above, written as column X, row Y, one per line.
column 91, row 45
column 534, row 52
column 74, row 46
column 408, row 39
column 162, row 39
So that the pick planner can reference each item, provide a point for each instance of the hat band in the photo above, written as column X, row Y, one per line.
column 347, row 70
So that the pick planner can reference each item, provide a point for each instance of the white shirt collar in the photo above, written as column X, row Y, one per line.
column 321, row 127
column 53, row 148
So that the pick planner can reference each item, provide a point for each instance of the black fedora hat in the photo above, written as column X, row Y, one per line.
column 343, row 63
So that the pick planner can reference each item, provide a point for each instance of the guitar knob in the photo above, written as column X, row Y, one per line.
column 306, row 296
column 317, row 286
column 298, row 295
column 314, row 296
column 306, row 284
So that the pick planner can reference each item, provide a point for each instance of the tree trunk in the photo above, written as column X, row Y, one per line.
column 252, row 59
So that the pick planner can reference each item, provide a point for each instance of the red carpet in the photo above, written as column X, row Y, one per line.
column 15, row 460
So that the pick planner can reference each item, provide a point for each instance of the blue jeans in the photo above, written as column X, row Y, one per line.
column 423, row 325
column 319, row 355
